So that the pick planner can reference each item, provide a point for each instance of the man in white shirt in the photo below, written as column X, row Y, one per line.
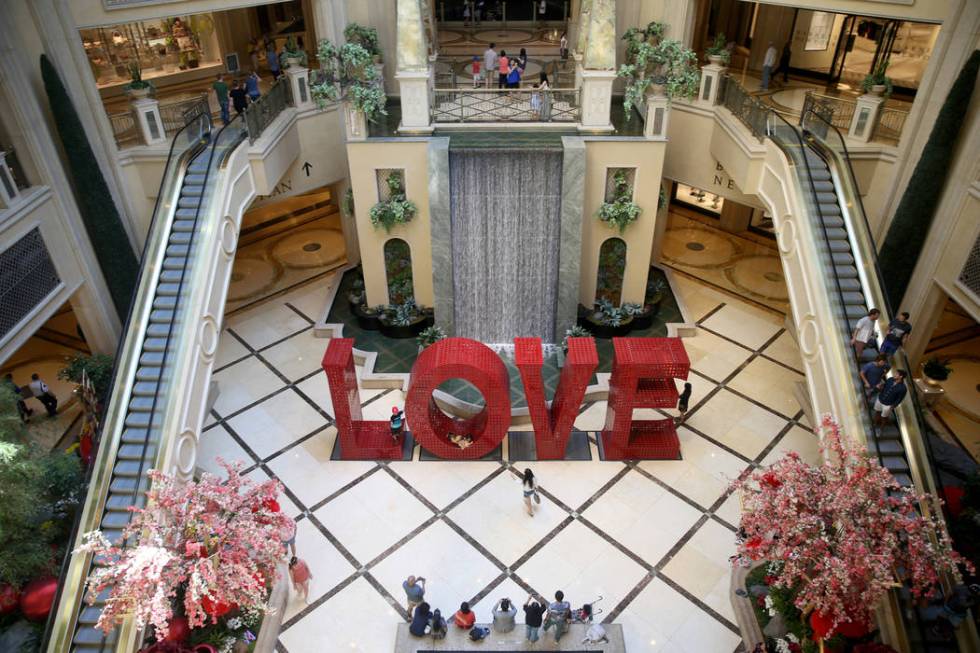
column 489, row 62
column 864, row 331
column 42, row 393
column 767, row 65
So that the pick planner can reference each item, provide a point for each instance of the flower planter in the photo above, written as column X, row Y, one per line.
column 878, row 89
column 138, row 93
column 599, row 330
column 405, row 331
column 367, row 321
column 716, row 60
column 645, row 319
column 193, row 63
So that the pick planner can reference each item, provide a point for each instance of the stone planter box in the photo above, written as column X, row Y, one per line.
column 268, row 634
column 748, row 625
column 606, row 331
column 406, row 331
column 367, row 321
column 645, row 320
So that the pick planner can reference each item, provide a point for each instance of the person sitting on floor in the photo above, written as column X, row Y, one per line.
column 420, row 620
column 464, row 617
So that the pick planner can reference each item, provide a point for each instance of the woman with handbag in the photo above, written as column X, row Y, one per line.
column 530, row 486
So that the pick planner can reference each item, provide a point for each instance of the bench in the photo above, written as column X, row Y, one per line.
column 458, row 641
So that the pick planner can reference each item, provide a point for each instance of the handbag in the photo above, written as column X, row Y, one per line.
column 537, row 497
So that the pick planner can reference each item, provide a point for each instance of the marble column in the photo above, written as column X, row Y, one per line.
column 570, row 238
column 440, row 228
column 865, row 117
column 329, row 20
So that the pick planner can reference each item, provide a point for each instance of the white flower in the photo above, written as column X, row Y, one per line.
column 234, row 623
column 770, row 607
column 782, row 646
column 227, row 645
column 792, row 638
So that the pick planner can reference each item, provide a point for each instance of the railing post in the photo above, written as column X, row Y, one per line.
column 299, row 84
column 597, row 100
column 503, row 14
column 148, row 119
column 534, row 13
column 710, row 82
column 9, row 193
column 416, row 109
column 866, row 112
column 657, row 118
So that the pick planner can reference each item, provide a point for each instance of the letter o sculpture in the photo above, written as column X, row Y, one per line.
column 458, row 358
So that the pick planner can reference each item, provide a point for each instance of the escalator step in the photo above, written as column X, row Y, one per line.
column 171, row 276
column 855, row 298
column 168, row 289
column 192, row 190
column 113, row 519
column 842, row 258
column 155, row 344
column 145, row 389
column 128, row 484
column 122, row 502
column 185, row 214
column 141, row 405
column 92, row 637
column 89, row 615
column 820, row 175
column 138, row 420
column 165, row 301
column 849, row 284
column 148, row 374
column 189, row 201
column 161, row 316
column 183, row 225
column 839, row 246
column 180, row 237
column 836, row 233
column 136, row 452
column 158, row 331
column 826, row 198
column 194, row 179
column 129, row 469
column 855, row 311
column 903, row 479
column 824, row 186
column 829, row 210
column 846, row 271
column 833, row 221
column 134, row 436
column 178, row 250
column 151, row 358
column 174, row 263
column 896, row 464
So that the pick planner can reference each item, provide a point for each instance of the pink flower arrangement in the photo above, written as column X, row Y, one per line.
column 214, row 542
column 844, row 533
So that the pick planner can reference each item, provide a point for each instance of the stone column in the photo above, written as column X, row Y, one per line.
column 9, row 193
column 299, row 84
column 658, row 115
column 414, row 87
column 577, row 58
column 596, row 99
column 329, row 21
column 865, row 117
column 147, row 112
column 710, row 82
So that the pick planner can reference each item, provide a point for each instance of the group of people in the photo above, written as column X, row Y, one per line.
column 769, row 69
column 887, row 391
column 538, row 615
column 36, row 389
column 510, row 70
column 243, row 92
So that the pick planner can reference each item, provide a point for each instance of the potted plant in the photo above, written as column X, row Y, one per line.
column 347, row 74
column 718, row 54
column 292, row 54
column 936, row 369
column 877, row 82
column 182, row 61
column 368, row 317
column 622, row 210
column 429, row 336
column 656, row 290
column 405, row 320
column 396, row 209
column 366, row 37
column 653, row 63
column 577, row 331
column 192, row 59
column 137, row 87
column 608, row 320
column 355, row 296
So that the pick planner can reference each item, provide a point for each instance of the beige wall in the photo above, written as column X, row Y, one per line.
column 92, row 13
column 648, row 159
column 411, row 156
column 924, row 10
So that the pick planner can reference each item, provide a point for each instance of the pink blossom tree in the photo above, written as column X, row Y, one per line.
column 842, row 533
column 214, row 543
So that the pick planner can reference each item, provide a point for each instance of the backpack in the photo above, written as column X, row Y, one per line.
column 479, row 633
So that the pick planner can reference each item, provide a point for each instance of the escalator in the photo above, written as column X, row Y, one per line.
column 820, row 163
column 137, row 434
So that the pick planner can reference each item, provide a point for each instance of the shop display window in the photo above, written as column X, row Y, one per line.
column 701, row 200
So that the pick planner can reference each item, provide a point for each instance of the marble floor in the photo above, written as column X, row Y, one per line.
column 651, row 538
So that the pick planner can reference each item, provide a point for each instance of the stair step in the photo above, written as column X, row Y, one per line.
column 846, row 271
column 138, row 420
column 192, row 190
column 154, row 344
column 849, row 284
column 168, row 289
column 182, row 226
column 826, row 198
column 855, row 311
column 171, row 276
column 189, row 202
column 180, row 237
column 136, row 452
column 828, row 210
column 122, row 502
column 89, row 615
column 92, row 637
column 194, row 179
column 115, row 519
column 842, row 258
column 833, row 221
column 895, row 463
column 185, row 214
column 839, row 245
column 854, row 298
column 134, row 436
column 127, row 484
column 836, row 233
column 141, row 405
column 903, row 479
column 178, row 250
column 129, row 469
column 824, row 186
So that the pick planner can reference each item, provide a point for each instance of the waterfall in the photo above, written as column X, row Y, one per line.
column 506, row 221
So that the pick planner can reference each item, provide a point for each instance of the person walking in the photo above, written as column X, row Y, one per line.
column 41, row 392
column 891, row 395
column 221, row 92
column 533, row 614
column 239, row 97
column 489, row 63
column 864, row 331
column 397, row 423
column 22, row 409
column 300, row 575
column 784, row 58
column 252, row 86
column 529, row 485
column 288, row 534
column 253, row 53
column 682, row 402
column 768, row 61
column 414, row 592
column 464, row 617
column 271, row 58
column 503, row 69
column 873, row 375
column 898, row 334
column 563, row 46
column 421, row 619
column 522, row 60
column 477, row 75
column 559, row 615
column 503, row 615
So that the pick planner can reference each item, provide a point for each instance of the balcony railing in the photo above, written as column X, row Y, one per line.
column 267, row 108
column 460, row 105
column 891, row 121
column 746, row 107
column 839, row 112
column 174, row 114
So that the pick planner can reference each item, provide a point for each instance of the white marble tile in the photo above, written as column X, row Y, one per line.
column 737, row 423
column 265, row 324
column 643, row 516
column 372, row 516
column 702, row 568
column 697, row 298
column 802, row 441
column 731, row 510
column 229, row 350
column 785, row 350
column 495, row 516
column 454, row 570
column 298, row 356
column 276, row 422
column 310, row 474
column 582, row 565
column 242, row 384
column 326, row 563
column 356, row 619
column 311, row 299
column 769, row 384
column 217, row 443
column 705, row 472
column 573, row 482
column 592, row 418
column 744, row 324
column 317, row 389
column 441, row 483
column 714, row 357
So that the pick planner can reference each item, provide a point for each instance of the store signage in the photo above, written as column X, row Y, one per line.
column 642, row 377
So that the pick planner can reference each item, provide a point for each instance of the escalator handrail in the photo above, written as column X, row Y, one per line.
column 101, row 468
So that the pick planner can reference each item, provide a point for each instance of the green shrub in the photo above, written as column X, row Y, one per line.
column 98, row 367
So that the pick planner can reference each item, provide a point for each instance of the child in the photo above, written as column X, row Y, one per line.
column 397, row 423
column 300, row 574
column 477, row 72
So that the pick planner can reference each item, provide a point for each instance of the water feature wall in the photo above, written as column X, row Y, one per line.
column 505, row 215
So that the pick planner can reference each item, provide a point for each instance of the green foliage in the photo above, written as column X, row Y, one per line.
column 913, row 218
column 98, row 367
column 878, row 78
column 292, row 51
column 366, row 37
column 348, row 73
column 654, row 60
column 11, row 428
column 657, row 288
column 403, row 314
column 398, row 271
column 347, row 204
column 937, row 368
column 609, row 314
column 430, row 335
column 574, row 332
column 718, row 49
column 612, row 267
column 622, row 211
column 396, row 209
column 95, row 204
column 136, row 76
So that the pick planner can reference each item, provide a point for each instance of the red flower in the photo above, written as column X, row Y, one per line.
column 769, row 478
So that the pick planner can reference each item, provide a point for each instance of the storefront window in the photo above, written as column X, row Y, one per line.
column 160, row 47
column 701, row 200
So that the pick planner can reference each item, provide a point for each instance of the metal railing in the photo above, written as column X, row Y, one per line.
column 750, row 111
column 267, row 108
column 891, row 122
column 837, row 111
column 173, row 113
column 124, row 128
column 460, row 105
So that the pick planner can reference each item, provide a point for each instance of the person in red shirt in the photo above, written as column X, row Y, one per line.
column 300, row 574
column 503, row 68
column 464, row 617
